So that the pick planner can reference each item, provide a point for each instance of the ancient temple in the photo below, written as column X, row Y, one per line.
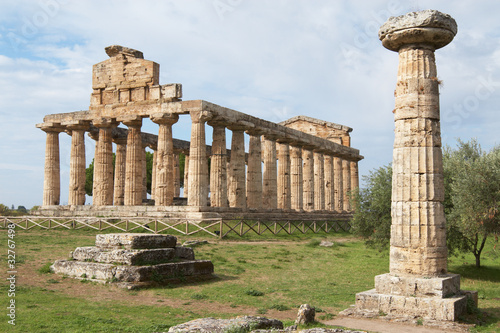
column 303, row 168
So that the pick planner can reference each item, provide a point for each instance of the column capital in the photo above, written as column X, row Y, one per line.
column 427, row 28
column 200, row 116
column 131, row 120
column 104, row 122
column 51, row 127
column 76, row 125
column 164, row 118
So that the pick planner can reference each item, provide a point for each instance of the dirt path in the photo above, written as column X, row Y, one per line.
column 382, row 326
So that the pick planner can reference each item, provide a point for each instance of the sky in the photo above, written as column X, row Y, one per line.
column 270, row 59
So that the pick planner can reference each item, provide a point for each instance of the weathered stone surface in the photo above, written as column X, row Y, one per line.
column 132, row 257
column 133, row 274
column 418, row 286
column 428, row 26
column 212, row 325
column 135, row 241
column 305, row 315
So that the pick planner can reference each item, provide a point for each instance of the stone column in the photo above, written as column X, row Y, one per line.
column 319, row 182
column 296, row 178
column 308, row 174
column 186, row 175
column 103, row 164
column 198, row 164
column 338, row 187
column 254, row 171
column 218, row 167
column 77, row 175
column 270, row 185
column 144, row 173
column 237, row 190
column 165, row 171
column 119, row 183
column 177, row 178
column 153, row 174
column 52, row 176
column 417, row 285
column 133, row 164
column 354, row 176
column 346, row 174
column 284, row 188
column 329, row 183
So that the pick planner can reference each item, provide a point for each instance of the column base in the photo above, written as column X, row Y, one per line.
column 434, row 298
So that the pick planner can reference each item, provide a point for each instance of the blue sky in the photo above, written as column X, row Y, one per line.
column 271, row 59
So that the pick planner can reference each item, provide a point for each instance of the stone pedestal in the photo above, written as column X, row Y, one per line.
column 418, row 284
column 134, row 260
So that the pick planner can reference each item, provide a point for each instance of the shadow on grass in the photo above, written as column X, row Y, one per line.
column 483, row 273
column 193, row 282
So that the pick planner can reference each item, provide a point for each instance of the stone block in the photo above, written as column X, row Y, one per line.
column 127, row 257
column 433, row 308
column 135, row 241
column 161, row 272
column 82, row 269
column 171, row 91
column 418, row 286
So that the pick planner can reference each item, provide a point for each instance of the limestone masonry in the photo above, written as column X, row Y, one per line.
column 302, row 168
column 418, row 284
column 134, row 260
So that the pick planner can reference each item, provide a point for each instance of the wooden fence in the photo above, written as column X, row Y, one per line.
column 214, row 227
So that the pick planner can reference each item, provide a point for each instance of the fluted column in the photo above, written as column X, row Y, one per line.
column 254, row 172
column 198, row 164
column 329, row 183
column 346, row 174
column 270, row 184
column 77, row 176
column 144, row 173
column 153, row 174
column 354, row 176
column 119, row 183
column 103, row 164
column 283, row 182
column 186, row 176
column 338, row 184
column 319, row 182
column 52, row 175
column 308, row 179
column 165, row 171
column 177, row 178
column 237, row 188
column 296, row 178
column 218, row 167
column 133, row 165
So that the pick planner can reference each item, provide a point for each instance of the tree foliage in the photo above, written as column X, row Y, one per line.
column 471, row 204
column 475, row 194
column 372, row 217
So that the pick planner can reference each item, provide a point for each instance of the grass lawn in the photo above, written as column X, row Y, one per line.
column 267, row 275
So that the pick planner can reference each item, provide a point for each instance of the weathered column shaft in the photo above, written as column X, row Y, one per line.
column 296, row 178
column 165, row 171
column 319, row 182
column 308, row 179
column 270, row 185
column 133, row 165
column 237, row 190
column 198, row 163
column 418, row 231
column 283, row 184
column 153, row 175
column 77, row 167
column 354, row 176
column 52, row 176
column 254, row 173
column 144, row 173
column 338, row 184
column 218, row 168
column 103, row 168
column 119, row 183
column 346, row 174
column 329, row 183
column 186, row 176
column 177, row 178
